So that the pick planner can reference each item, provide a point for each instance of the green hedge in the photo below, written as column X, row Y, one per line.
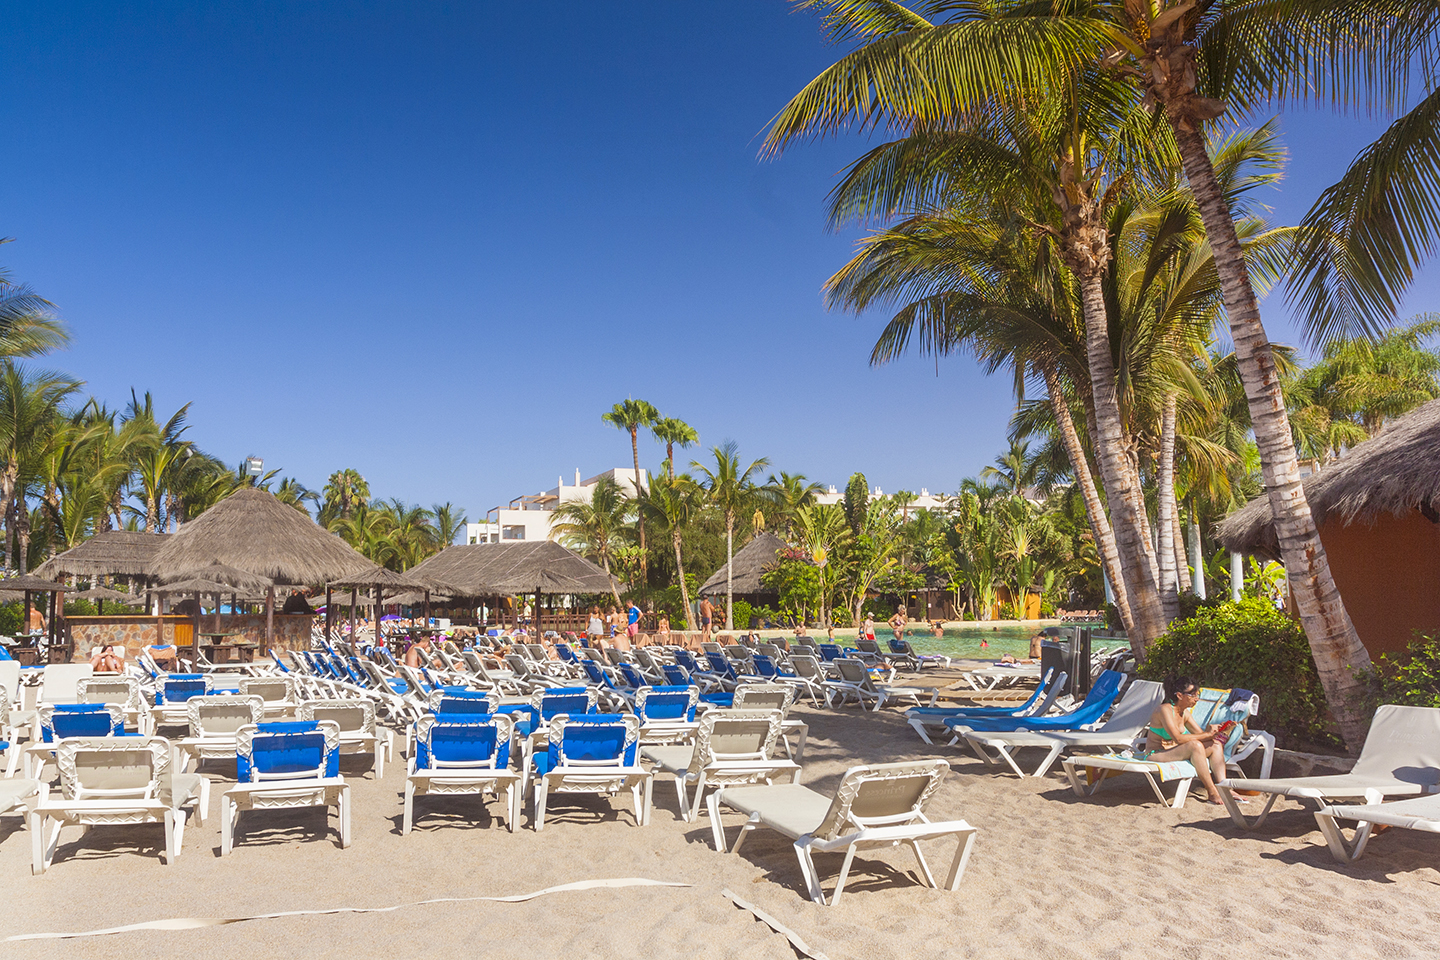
column 1252, row 645
column 1412, row 679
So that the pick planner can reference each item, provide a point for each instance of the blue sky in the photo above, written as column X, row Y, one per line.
column 435, row 241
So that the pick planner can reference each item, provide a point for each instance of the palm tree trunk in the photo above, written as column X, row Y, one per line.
column 7, row 501
column 1136, row 557
column 684, row 587
column 605, row 560
column 729, row 570
column 635, row 451
column 1340, row 657
column 1182, row 559
column 1094, row 509
column 669, row 458
column 22, row 527
column 1165, row 510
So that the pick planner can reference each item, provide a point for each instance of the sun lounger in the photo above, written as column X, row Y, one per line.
column 58, row 721
column 904, row 649
column 879, row 805
column 988, row 678
column 469, row 757
column 214, row 721
column 1417, row 813
column 930, row 719
column 1097, row 703
column 290, row 765
column 359, row 732
column 19, row 794
column 1142, row 698
column 116, row 781
column 1401, row 757
column 277, row 693
column 854, row 681
column 122, row 690
column 667, row 714
column 594, row 755
column 731, row 747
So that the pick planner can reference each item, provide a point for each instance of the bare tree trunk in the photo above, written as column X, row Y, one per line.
column 1340, row 657
column 729, row 570
column 684, row 587
column 1165, row 512
column 1094, row 509
column 1136, row 556
column 1182, row 560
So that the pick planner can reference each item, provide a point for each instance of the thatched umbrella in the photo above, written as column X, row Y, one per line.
column 376, row 578
column 111, row 553
column 253, row 531
column 29, row 584
column 229, row 580
column 756, row 558
column 513, row 569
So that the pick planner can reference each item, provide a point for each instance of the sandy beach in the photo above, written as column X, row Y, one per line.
column 1052, row 875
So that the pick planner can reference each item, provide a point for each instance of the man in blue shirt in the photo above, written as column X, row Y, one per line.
column 632, row 621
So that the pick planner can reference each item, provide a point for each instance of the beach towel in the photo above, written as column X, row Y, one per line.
column 1167, row 769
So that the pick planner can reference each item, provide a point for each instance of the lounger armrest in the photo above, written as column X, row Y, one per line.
column 913, row 831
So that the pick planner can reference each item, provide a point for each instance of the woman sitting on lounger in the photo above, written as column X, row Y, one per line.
column 1172, row 735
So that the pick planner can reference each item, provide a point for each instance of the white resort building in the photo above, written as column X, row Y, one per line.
column 528, row 517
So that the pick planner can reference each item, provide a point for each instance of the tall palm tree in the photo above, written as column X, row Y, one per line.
column 1015, row 468
column 631, row 415
column 730, row 489
column 788, row 494
column 597, row 526
column 671, row 504
column 673, row 433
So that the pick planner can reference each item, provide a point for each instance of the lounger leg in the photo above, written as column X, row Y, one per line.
column 174, row 834
column 1238, row 815
column 1335, row 838
column 920, row 729
column 409, row 818
column 844, row 872
column 344, row 816
column 686, row 814
column 1004, row 753
column 539, row 804
column 37, row 843
column 512, row 805
column 228, row 813
column 962, row 857
column 202, row 804
column 807, row 869
column 1182, row 791
column 717, row 829
column 649, row 794
column 379, row 759
column 920, row 859
column 1049, row 760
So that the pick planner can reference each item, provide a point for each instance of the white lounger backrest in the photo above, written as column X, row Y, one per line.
column 220, row 715
column 806, row 666
column 1133, row 711
column 270, row 689
column 765, row 696
column 122, row 690
column 735, row 735
column 58, row 683
column 881, row 793
column 352, row 716
column 10, row 679
column 1403, row 743
column 111, row 766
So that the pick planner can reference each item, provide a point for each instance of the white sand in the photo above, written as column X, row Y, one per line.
column 1052, row 876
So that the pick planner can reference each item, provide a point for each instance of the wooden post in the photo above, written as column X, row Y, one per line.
column 195, row 631
column 54, row 594
column 538, row 617
column 379, row 608
column 218, row 599
column 354, row 593
column 270, row 616
column 329, row 617
column 25, row 624
column 427, row 607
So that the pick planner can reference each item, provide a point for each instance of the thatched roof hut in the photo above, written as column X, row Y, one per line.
column 510, row 569
column 759, row 556
column 253, row 531
column 105, row 593
column 1394, row 473
column 381, row 577
column 229, row 579
column 111, row 553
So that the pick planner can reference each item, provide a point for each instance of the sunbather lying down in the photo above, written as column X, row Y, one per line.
column 1173, row 735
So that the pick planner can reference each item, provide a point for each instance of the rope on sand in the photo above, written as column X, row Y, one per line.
column 192, row 923
column 800, row 946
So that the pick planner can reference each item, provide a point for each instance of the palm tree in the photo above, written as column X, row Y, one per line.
column 1014, row 468
column 731, row 490
column 673, row 433
column 29, row 412
column 450, row 522
column 788, row 494
column 597, row 526
column 296, row 494
column 631, row 415
column 343, row 490
column 671, row 504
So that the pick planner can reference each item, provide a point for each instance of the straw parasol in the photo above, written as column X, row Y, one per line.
column 111, row 553
column 512, row 569
column 758, row 557
column 377, row 578
column 1395, row 472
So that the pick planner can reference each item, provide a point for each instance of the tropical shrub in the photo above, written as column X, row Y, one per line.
column 1411, row 679
column 12, row 615
column 1252, row 645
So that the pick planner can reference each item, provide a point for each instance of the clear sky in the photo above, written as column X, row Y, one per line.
column 435, row 241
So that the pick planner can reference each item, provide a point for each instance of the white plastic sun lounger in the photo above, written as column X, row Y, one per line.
column 1417, row 813
column 1130, row 716
column 988, row 678
column 879, row 805
column 1180, row 770
column 1401, row 757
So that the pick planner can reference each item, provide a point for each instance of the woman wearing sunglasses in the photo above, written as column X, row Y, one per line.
column 1173, row 735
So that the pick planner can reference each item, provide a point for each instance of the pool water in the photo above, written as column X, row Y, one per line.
column 964, row 642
